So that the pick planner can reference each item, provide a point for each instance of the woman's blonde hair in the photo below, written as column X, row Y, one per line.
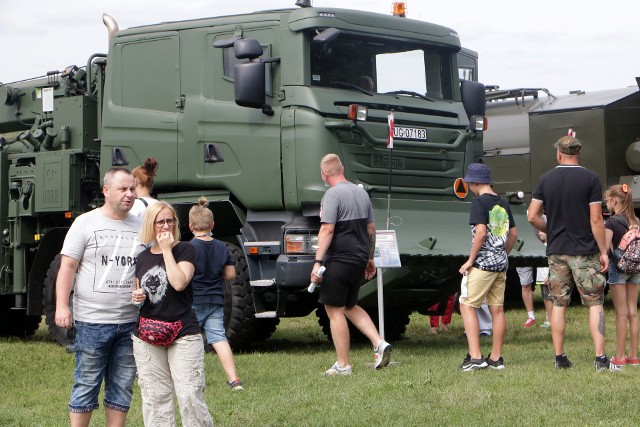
column 200, row 216
column 148, row 230
column 625, row 199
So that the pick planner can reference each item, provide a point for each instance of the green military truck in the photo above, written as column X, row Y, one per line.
column 524, row 122
column 241, row 109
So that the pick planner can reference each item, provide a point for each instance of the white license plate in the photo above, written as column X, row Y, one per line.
column 409, row 133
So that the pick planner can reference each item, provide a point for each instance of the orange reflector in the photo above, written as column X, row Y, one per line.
column 357, row 112
column 460, row 188
column 353, row 112
column 68, row 215
column 399, row 9
column 253, row 250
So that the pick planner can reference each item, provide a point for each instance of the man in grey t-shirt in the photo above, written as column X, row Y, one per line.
column 101, row 247
column 346, row 242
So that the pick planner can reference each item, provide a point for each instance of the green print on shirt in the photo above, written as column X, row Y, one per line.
column 498, row 221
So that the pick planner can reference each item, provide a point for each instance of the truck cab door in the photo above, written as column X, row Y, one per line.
column 225, row 146
column 142, row 104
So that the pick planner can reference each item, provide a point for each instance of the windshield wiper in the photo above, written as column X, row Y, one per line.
column 351, row 86
column 408, row 92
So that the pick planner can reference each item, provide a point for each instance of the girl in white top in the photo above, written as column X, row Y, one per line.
column 144, row 176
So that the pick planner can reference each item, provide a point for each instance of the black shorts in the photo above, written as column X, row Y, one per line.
column 341, row 284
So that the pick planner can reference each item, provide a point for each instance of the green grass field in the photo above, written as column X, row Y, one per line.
column 285, row 386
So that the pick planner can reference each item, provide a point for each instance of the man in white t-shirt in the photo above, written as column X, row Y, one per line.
column 101, row 246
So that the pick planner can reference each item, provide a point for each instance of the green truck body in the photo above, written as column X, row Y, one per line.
column 247, row 130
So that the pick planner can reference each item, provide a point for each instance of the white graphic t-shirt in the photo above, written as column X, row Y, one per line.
column 107, row 250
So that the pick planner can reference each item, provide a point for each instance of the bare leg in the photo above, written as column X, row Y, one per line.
column 548, row 308
column 632, row 310
column 363, row 322
column 470, row 322
column 115, row 418
column 339, row 333
column 527, row 297
column 558, row 324
column 80, row 419
column 597, row 328
column 620, row 303
column 223, row 350
column 499, row 329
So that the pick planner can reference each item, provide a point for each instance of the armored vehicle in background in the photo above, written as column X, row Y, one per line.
column 241, row 109
column 524, row 123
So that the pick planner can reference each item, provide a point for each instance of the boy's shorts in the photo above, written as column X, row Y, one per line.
column 581, row 270
column 483, row 284
column 526, row 275
column 211, row 319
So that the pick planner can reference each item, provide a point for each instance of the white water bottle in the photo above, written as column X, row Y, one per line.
column 320, row 272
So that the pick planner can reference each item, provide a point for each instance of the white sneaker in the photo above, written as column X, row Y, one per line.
column 382, row 354
column 336, row 369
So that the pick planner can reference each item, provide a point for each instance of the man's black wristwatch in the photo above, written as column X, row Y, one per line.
column 318, row 261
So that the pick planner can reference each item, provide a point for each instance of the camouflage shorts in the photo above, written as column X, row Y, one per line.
column 581, row 270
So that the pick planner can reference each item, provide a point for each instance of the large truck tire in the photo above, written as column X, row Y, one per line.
column 61, row 335
column 265, row 328
column 241, row 326
column 16, row 323
column 396, row 320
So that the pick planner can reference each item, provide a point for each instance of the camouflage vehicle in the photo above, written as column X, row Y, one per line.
column 525, row 122
column 241, row 109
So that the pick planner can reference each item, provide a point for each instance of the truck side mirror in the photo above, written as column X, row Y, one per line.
column 249, row 77
column 247, row 49
column 473, row 97
column 249, row 84
column 327, row 35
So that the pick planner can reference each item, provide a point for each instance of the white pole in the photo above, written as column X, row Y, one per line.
column 380, row 304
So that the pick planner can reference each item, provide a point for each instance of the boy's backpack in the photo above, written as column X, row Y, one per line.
column 627, row 254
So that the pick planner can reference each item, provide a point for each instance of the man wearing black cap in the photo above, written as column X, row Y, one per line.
column 494, row 234
column 571, row 197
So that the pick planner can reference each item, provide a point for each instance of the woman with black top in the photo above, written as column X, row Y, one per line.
column 623, row 286
column 167, row 344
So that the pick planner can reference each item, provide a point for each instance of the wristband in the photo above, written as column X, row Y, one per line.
column 317, row 261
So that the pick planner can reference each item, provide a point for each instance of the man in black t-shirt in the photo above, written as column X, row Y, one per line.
column 571, row 198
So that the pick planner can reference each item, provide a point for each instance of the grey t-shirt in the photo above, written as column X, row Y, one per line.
column 348, row 207
column 107, row 251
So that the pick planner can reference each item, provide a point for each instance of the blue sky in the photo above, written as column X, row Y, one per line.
column 559, row 45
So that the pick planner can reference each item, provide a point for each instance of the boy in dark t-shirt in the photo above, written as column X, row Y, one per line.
column 494, row 234
column 214, row 265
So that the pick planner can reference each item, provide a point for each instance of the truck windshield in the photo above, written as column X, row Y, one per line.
column 371, row 65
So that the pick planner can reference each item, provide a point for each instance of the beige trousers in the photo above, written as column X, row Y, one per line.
column 167, row 371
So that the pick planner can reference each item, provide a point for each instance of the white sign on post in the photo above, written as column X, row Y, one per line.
column 386, row 255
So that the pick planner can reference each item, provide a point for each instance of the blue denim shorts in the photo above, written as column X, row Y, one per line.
column 617, row 277
column 211, row 318
column 103, row 351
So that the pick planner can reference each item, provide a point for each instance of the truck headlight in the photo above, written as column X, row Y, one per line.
column 479, row 123
column 300, row 244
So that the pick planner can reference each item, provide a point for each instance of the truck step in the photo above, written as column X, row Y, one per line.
column 266, row 315
column 262, row 283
